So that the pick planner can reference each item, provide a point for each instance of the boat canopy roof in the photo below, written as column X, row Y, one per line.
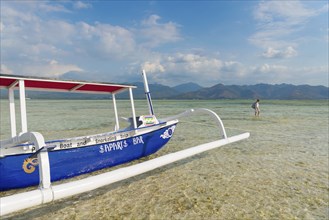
column 47, row 84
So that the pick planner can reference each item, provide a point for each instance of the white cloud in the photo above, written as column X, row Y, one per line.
column 267, row 68
column 234, row 68
column 179, row 68
column 292, row 12
column 106, row 41
column 81, row 5
column 45, row 6
column 268, row 73
column 51, row 68
column 277, row 74
column 159, row 33
column 37, row 44
column 115, row 40
column 286, row 53
column 153, row 67
column 277, row 22
column 1, row 26
column 5, row 70
column 324, row 9
column 28, row 39
column 190, row 65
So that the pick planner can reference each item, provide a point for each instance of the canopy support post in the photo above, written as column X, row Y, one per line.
column 22, row 105
column 12, row 111
column 133, row 107
column 117, row 125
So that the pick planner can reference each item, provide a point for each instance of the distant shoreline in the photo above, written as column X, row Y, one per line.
column 219, row 91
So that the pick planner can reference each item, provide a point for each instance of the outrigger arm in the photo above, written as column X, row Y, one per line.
column 202, row 110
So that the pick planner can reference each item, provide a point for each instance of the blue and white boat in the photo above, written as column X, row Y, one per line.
column 26, row 159
column 79, row 155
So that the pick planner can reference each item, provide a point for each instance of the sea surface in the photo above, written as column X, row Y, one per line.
column 280, row 172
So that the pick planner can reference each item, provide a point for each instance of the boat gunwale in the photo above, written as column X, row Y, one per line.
column 136, row 132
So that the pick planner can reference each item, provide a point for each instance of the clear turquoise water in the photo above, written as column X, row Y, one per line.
column 280, row 172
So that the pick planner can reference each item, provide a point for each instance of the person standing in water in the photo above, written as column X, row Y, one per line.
column 256, row 107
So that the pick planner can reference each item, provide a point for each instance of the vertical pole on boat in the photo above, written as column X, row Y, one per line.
column 12, row 111
column 22, row 105
column 117, row 126
column 132, row 107
column 147, row 93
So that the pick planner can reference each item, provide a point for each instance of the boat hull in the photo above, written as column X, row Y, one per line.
column 17, row 172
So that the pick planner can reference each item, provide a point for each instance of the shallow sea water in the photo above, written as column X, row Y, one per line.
column 280, row 172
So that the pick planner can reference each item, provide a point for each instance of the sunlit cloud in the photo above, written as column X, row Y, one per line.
column 157, row 33
column 184, row 67
column 153, row 67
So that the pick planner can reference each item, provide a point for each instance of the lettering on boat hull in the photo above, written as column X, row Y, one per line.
column 119, row 145
column 104, row 139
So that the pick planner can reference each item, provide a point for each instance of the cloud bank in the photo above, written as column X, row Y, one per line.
column 36, row 40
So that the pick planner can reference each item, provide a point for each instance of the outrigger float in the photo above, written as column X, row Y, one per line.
column 27, row 160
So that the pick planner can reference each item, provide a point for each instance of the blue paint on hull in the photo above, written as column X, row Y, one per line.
column 76, row 161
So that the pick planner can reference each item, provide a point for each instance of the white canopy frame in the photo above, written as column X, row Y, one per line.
column 12, row 111
column 11, row 83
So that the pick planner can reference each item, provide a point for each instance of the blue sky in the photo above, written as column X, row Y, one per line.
column 206, row 42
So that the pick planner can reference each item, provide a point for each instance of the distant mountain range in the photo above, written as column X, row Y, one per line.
column 261, row 91
column 159, row 91
column 195, row 91
column 220, row 91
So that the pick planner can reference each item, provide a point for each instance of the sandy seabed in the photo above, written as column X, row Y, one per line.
column 280, row 172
